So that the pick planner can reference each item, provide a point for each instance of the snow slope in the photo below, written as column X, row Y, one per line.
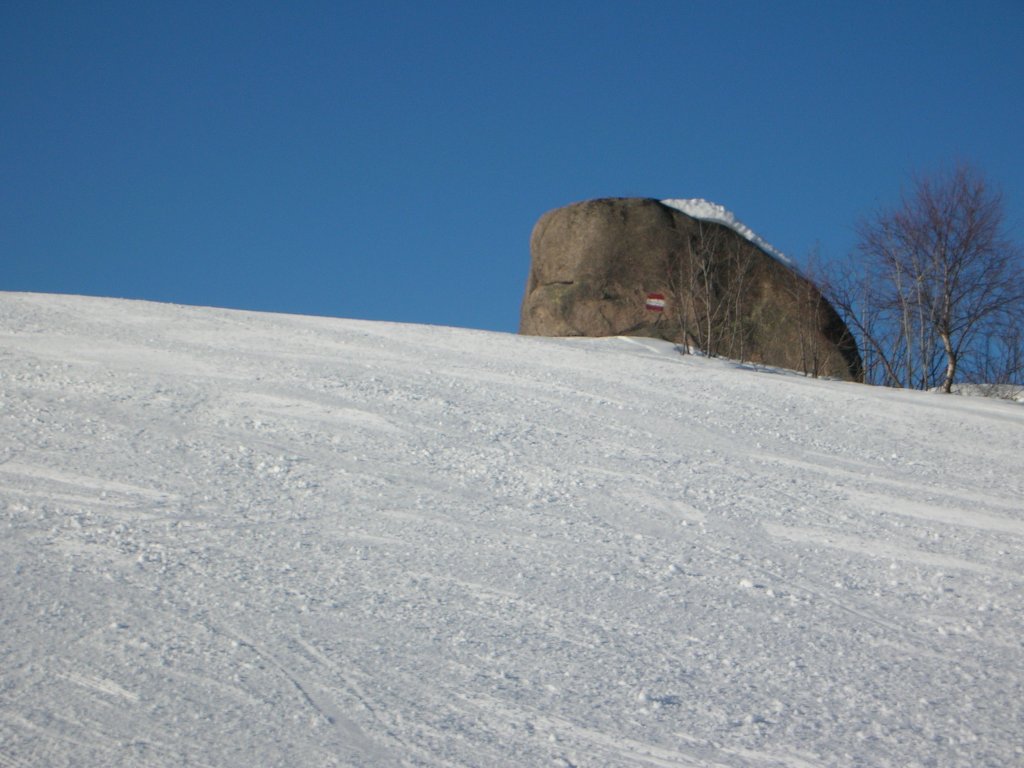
column 237, row 539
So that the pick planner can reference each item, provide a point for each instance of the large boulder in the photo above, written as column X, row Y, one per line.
column 637, row 267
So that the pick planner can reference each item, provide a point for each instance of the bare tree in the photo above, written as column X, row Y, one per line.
column 693, row 285
column 854, row 294
column 998, row 369
column 938, row 284
column 708, row 284
column 805, row 293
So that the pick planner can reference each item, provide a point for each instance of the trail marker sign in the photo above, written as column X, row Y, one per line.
column 655, row 302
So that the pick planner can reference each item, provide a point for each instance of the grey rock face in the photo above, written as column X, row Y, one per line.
column 596, row 264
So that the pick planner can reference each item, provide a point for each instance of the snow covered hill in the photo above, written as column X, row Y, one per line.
column 238, row 539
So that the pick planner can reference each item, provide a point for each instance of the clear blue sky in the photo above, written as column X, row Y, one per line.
column 388, row 160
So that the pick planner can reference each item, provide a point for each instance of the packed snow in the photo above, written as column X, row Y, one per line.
column 240, row 539
column 705, row 210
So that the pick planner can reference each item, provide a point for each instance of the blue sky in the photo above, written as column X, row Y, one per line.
column 388, row 160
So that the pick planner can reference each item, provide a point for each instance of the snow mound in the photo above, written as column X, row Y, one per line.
column 705, row 210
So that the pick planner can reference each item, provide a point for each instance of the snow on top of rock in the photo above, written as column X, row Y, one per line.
column 705, row 210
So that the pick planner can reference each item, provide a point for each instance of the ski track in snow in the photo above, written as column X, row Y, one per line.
column 246, row 539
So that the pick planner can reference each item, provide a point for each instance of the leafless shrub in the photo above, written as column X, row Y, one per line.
column 708, row 284
column 936, row 293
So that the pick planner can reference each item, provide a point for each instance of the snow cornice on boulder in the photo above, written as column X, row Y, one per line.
column 705, row 210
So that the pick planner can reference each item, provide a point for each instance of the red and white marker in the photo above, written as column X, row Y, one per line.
column 656, row 302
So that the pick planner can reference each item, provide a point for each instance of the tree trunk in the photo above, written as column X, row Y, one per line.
column 947, row 383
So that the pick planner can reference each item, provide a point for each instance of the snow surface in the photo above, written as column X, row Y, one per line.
column 238, row 539
column 705, row 210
